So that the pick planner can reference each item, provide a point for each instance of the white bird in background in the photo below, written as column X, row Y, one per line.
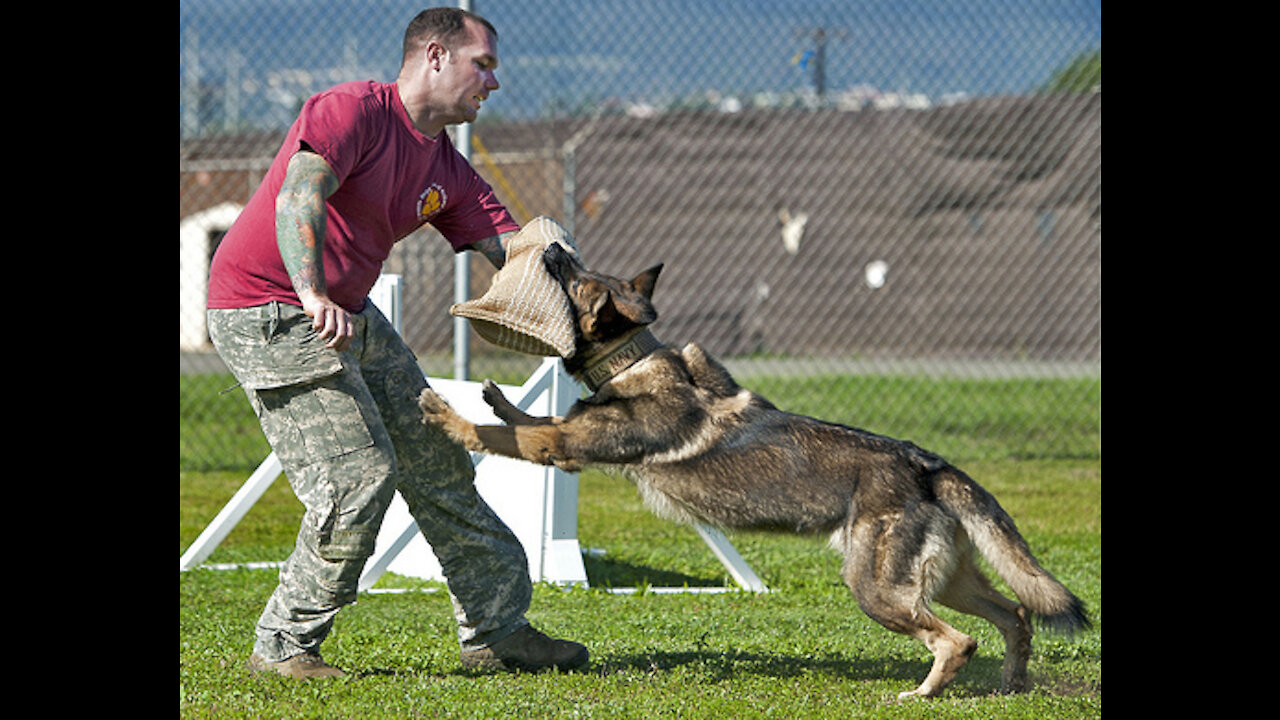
column 792, row 229
column 876, row 273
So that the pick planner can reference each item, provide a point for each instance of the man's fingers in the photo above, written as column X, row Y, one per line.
column 344, row 332
column 334, row 326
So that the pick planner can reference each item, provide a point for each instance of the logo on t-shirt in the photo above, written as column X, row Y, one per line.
column 431, row 200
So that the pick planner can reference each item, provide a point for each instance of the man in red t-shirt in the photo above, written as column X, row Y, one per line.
column 333, row 385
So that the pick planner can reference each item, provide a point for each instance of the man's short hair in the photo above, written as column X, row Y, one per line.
column 444, row 24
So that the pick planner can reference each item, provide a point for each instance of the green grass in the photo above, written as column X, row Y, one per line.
column 803, row 650
column 961, row 419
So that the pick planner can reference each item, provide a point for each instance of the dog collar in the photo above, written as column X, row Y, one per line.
column 603, row 366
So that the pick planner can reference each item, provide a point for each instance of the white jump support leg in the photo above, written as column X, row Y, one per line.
column 232, row 513
column 728, row 556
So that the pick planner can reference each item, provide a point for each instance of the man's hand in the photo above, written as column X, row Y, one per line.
column 329, row 320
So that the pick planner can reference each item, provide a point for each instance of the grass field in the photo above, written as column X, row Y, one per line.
column 960, row 419
column 803, row 650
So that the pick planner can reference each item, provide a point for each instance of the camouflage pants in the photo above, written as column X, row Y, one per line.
column 348, row 432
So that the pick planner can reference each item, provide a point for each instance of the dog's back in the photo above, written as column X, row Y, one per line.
column 707, row 449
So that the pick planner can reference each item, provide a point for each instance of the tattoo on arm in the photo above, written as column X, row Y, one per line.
column 494, row 248
column 301, row 219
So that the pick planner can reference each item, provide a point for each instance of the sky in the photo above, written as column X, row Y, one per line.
column 559, row 54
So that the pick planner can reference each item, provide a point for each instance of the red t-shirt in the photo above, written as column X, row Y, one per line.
column 392, row 180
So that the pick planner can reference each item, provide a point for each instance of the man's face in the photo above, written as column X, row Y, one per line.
column 469, row 74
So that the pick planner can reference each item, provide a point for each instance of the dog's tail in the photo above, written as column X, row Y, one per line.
column 997, row 538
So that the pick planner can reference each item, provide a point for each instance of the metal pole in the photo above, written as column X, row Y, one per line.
column 462, row 268
column 569, row 187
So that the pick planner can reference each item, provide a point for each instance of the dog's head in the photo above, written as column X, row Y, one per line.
column 604, row 307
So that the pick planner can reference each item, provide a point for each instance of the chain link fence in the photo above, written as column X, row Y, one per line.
column 847, row 196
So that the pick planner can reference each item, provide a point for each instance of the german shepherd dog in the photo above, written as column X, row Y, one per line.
column 702, row 448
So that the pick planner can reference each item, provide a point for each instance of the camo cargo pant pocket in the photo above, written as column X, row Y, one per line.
column 325, row 434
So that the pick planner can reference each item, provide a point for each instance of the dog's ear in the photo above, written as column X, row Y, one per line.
column 603, row 312
column 644, row 282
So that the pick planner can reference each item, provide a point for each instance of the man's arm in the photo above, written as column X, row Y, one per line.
column 300, row 228
column 494, row 248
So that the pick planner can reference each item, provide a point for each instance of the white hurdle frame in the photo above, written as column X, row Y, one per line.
column 513, row 488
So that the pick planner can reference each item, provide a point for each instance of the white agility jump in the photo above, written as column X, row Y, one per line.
column 539, row 504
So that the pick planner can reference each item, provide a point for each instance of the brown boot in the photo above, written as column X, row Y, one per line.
column 529, row 650
column 300, row 667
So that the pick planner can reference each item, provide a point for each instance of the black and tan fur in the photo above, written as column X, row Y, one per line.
column 700, row 447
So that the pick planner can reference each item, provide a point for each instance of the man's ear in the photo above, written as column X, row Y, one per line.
column 437, row 55
column 644, row 282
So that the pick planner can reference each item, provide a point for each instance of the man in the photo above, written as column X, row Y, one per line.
column 333, row 385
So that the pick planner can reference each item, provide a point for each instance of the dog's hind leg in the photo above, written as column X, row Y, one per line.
column 951, row 651
column 890, row 578
column 969, row 591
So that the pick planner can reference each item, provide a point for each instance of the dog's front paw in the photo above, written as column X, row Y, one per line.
column 502, row 407
column 435, row 410
column 438, row 412
column 493, row 396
